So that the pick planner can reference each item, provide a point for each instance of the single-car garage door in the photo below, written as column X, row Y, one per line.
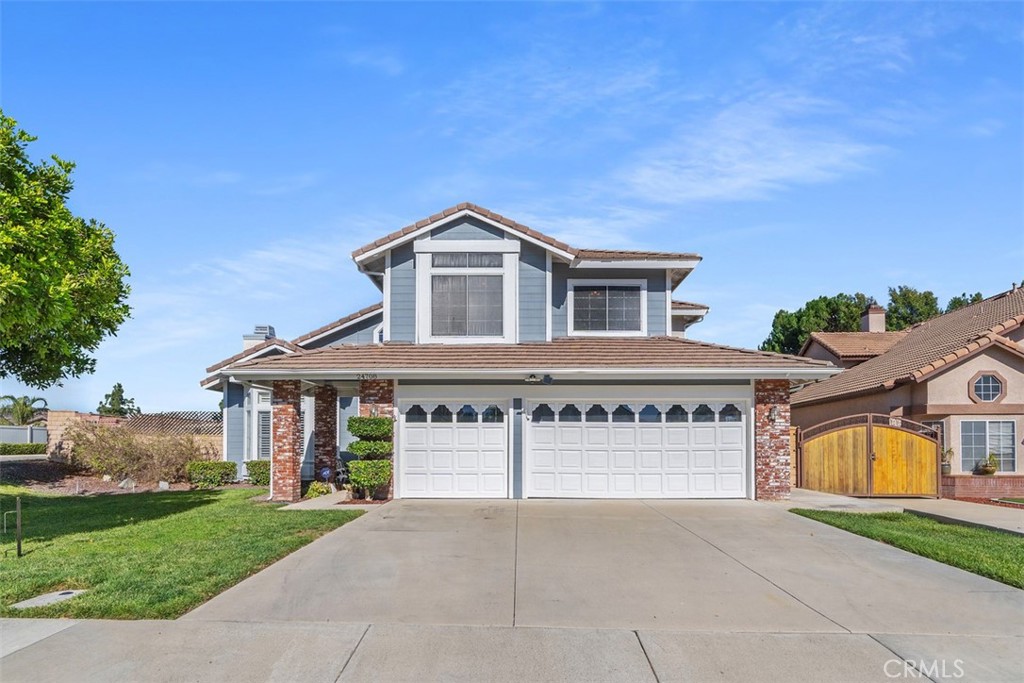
column 589, row 449
column 453, row 450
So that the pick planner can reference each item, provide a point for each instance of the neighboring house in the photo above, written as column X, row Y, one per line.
column 847, row 349
column 961, row 373
column 516, row 366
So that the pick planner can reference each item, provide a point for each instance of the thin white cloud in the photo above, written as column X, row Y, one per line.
column 751, row 149
column 379, row 59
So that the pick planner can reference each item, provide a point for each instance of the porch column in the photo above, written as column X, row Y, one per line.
column 376, row 397
column 771, row 439
column 286, row 462
column 325, row 429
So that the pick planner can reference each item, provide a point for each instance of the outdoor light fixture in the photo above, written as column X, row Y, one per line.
column 533, row 379
column 773, row 414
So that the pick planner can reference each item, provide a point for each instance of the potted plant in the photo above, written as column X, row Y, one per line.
column 947, row 461
column 988, row 466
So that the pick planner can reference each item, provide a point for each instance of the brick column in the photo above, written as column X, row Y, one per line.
column 771, row 439
column 376, row 397
column 325, row 429
column 286, row 464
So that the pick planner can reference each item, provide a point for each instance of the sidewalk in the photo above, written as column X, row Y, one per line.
column 962, row 512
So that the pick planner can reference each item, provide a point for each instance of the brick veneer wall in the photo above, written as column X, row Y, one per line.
column 771, row 440
column 59, row 421
column 976, row 486
column 325, row 429
column 286, row 463
column 376, row 397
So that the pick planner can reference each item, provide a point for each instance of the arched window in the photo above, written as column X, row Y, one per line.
column 441, row 414
column 597, row 413
column 416, row 414
column 677, row 413
column 703, row 413
column 570, row 413
column 467, row 413
column 543, row 413
column 623, row 414
column 730, row 413
column 492, row 414
column 650, row 414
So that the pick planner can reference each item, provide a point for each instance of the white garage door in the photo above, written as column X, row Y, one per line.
column 453, row 450
column 590, row 449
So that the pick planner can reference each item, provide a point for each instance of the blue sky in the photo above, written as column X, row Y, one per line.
column 240, row 151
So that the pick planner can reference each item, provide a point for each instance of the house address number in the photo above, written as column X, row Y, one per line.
column 367, row 375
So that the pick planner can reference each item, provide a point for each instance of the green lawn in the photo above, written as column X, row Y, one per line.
column 1013, row 500
column 146, row 555
column 994, row 554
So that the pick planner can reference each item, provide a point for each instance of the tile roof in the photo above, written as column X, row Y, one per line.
column 852, row 345
column 687, row 305
column 179, row 422
column 629, row 255
column 254, row 349
column 562, row 353
column 595, row 254
column 926, row 348
column 464, row 206
column 340, row 322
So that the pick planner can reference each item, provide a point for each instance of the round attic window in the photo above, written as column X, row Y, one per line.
column 988, row 388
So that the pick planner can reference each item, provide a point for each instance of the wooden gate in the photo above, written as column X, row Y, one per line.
column 870, row 455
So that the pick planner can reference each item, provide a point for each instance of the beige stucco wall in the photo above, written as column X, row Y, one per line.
column 819, row 352
column 950, row 387
column 882, row 402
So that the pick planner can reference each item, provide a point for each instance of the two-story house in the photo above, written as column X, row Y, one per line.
column 517, row 366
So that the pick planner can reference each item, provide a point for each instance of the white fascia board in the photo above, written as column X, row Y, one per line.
column 680, row 312
column 221, row 373
column 338, row 328
column 507, row 246
column 377, row 251
column 635, row 264
column 521, row 373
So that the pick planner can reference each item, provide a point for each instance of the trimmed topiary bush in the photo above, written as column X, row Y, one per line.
column 22, row 448
column 206, row 474
column 317, row 489
column 370, row 428
column 369, row 476
column 258, row 472
column 371, row 450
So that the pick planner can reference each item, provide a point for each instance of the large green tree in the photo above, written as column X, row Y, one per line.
column 839, row 313
column 116, row 404
column 909, row 306
column 63, row 288
column 961, row 300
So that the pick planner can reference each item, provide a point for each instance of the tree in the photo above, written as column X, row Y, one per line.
column 908, row 306
column 115, row 403
column 839, row 313
column 19, row 410
column 962, row 300
column 62, row 285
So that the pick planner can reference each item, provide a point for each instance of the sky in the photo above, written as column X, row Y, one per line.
column 240, row 151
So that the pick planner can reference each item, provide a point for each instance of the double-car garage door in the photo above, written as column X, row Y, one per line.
column 574, row 449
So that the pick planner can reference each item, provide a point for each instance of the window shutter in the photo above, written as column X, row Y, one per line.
column 263, row 419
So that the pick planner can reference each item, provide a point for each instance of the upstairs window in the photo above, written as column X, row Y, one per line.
column 467, row 295
column 986, row 388
column 613, row 307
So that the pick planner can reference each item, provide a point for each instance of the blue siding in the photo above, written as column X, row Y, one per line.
column 403, row 293
column 360, row 333
column 656, row 294
column 533, row 293
column 234, row 424
column 467, row 228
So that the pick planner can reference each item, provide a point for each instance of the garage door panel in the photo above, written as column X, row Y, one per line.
column 455, row 450
column 644, row 450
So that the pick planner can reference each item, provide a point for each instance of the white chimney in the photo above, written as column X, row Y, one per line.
column 873, row 319
column 260, row 334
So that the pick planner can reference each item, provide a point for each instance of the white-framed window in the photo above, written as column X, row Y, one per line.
column 988, row 388
column 978, row 438
column 607, row 307
column 466, row 291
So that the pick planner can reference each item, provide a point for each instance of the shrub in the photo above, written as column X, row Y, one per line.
column 206, row 474
column 22, row 448
column 369, row 475
column 259, row 472
column 371, row 428
column 371, row 450
column 119, row 452
column 317, row 489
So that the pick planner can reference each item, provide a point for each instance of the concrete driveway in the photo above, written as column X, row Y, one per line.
column 576, row 590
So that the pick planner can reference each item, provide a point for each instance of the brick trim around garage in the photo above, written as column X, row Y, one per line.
column 771, row 439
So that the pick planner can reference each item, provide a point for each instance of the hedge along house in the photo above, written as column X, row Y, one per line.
column 517, row 366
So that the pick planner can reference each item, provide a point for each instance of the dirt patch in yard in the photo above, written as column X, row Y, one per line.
column 59, row 479
column 992, row 501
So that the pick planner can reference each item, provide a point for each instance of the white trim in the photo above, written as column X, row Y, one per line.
column 693, row 393
column 570, row 296
column 687, row 312
column 224, row 422
column 217, row 374
column 550, row 304
column 510, row 300
column 702, row 373
column 337, row 328
column 668, row 303
column 378, row 334
column 387, row 296
column 461, row 214
column 638, row 263
column 497, row 246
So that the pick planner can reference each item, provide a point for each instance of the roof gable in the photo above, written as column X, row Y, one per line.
column 339, row 324
column 854, row 345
